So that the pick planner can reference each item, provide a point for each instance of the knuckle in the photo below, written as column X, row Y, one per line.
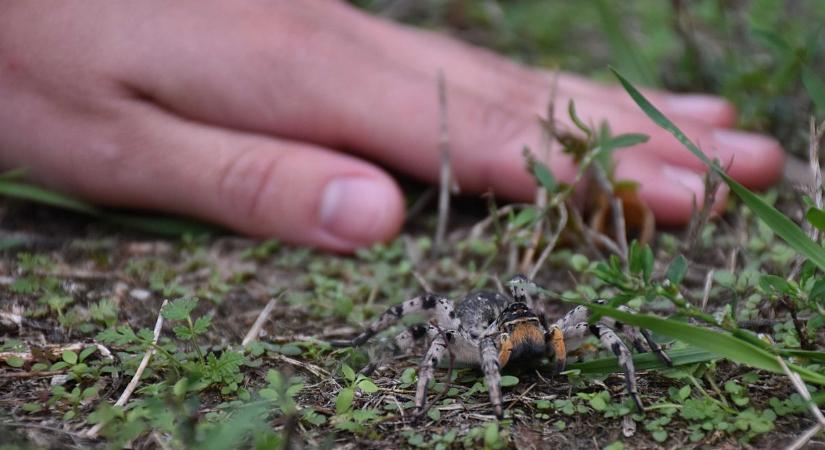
column 244, row 180
column 111, row 153
column 503, row 124
column 498, row 131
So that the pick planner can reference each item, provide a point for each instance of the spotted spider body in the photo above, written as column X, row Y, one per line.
column 490, row 330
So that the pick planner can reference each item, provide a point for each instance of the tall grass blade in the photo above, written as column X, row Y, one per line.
column 816, row 89
column 170, row 226
column 23, row 191
column 720, row 343
column 778, row 222
column 646, row 361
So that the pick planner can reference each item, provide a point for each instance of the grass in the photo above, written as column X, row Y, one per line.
column 79, row 302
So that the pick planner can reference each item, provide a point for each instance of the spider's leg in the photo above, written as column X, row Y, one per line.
column 428, row 365
column 440, row 307
column 581, row 313
column 492, row 372
column 636, row 334
column 405, row 339
column 573, row 317
column 611, row 340
column 656, row 348
column 554, row 339
column 575, row 336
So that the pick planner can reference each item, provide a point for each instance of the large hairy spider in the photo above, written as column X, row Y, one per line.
column 489, row 330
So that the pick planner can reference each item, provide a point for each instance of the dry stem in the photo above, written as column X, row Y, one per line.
column 253, row 332
column 800, row 387
column 124, row 397
column 551, row 244
column 616, row 208
column 445, row 178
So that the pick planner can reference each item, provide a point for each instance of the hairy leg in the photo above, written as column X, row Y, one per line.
column 441, row 308
column 492, row 372
column 428, row 365
column 637, row 336
column 575, row 336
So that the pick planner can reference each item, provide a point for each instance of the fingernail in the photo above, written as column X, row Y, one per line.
column 355, row 209
column 688, row 179
column 697, row 105
column 751, row 144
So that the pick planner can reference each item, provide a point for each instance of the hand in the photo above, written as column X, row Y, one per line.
column 270, row 117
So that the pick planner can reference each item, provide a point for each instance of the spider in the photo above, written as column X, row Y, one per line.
column 490, row 330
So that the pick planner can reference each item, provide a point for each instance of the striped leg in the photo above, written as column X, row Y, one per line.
column 405, row 339
column 428, row 365
column 611, row 340
column 492, row 372
column 440, row 307
column 581, row 314
column 576, row 334
column 636, row 334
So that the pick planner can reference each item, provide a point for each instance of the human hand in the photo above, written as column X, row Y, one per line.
column 262, row 116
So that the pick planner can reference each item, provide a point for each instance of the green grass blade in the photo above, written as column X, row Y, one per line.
column 816, row 217
column 14, row 174
column 720, row 343
column 165, row 225
column 624, row 140
column 816, row 89
column 23, row 191
column 778, row 222
column 646, row 361
column 170, row 226
column 804, row 354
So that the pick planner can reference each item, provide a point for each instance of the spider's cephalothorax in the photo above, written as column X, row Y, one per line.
column 490, row 330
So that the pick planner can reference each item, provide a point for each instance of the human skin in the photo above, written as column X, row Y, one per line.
column 277, row 118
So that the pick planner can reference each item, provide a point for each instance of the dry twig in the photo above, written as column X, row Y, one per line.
column 551, row 244
column 708, row 284
column 311, row 368
column 701, row 215
column 541, row 192
column 815, row 190
column 445, row 176
column 616, row 208
column 53, row 352
column 130, row 388
column 253, row 332
column 800, row 387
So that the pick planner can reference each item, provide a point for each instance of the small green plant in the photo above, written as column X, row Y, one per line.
column 346, row 417
column 206, row 369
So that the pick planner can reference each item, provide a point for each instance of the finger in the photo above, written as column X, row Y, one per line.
column 752, row 159
column 371, row 106
column 701, row 109
column 500, row 79
column 672, row 192
column 389, row 112
column 257, row 185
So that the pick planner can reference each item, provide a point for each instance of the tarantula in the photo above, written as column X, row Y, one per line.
column 490, row 330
